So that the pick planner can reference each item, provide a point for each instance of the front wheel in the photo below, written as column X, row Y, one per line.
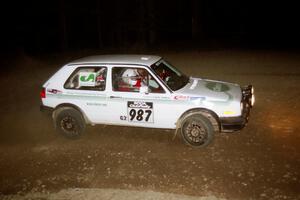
column 69, row 122
column 197, row 130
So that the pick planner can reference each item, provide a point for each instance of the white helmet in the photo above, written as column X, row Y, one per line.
column 130, row 76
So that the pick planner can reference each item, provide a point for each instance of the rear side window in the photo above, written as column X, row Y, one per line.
column 87, row 78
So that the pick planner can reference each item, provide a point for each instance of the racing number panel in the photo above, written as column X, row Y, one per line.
column 140, row 111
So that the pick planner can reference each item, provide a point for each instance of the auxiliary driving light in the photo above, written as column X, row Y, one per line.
column 252, row 99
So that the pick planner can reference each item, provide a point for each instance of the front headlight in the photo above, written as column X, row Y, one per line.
column 252, row 90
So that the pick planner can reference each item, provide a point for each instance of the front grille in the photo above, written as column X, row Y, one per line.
column 247, row 94
column 246, row 101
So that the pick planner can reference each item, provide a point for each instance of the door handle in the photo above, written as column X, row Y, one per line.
column 114, row 97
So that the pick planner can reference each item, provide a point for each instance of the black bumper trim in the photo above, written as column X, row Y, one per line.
column 46, row 109
column 233, row 123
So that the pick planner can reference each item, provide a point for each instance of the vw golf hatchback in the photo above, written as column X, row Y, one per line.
column 144, row 91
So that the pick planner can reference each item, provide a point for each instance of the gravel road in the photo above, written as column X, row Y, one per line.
column 260, row 162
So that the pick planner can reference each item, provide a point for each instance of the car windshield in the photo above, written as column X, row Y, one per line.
column 170, row 75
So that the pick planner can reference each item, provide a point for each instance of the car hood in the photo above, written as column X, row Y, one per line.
column 211, row 90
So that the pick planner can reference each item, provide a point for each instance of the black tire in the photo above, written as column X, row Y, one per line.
column 197, row 130
column 69, row 122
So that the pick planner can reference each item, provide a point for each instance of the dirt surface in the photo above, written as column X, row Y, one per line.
column 106, row 194
column 260, row 162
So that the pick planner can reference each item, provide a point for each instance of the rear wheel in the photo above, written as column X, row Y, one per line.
column 197, row 130
column 69, row 122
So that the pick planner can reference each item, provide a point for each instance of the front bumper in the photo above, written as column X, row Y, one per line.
column 237, row 123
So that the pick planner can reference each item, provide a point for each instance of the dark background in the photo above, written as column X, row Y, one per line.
column 37, row 27
column 245, row 42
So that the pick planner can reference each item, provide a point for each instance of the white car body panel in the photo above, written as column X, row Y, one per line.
column 212, row 99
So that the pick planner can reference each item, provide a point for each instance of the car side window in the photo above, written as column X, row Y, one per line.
column 87, row 78
column 130, row 79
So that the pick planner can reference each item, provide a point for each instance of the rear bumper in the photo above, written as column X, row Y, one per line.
column 46, row 109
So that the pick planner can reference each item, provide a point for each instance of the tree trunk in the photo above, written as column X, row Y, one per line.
column 196, row 24
column 63, row 26
column 99, row 24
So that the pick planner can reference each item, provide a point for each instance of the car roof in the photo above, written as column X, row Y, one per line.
column 118, row 59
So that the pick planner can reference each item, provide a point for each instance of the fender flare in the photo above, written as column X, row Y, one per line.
column 68, row 105
column 210, row 115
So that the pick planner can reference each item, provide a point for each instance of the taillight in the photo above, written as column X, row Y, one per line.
column 43, row 93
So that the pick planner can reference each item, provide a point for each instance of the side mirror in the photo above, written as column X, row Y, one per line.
column 144, row 90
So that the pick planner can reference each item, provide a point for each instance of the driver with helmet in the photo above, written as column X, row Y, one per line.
column 135, row 78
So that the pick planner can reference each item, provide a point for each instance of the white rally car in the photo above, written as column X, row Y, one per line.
column 144, row 91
